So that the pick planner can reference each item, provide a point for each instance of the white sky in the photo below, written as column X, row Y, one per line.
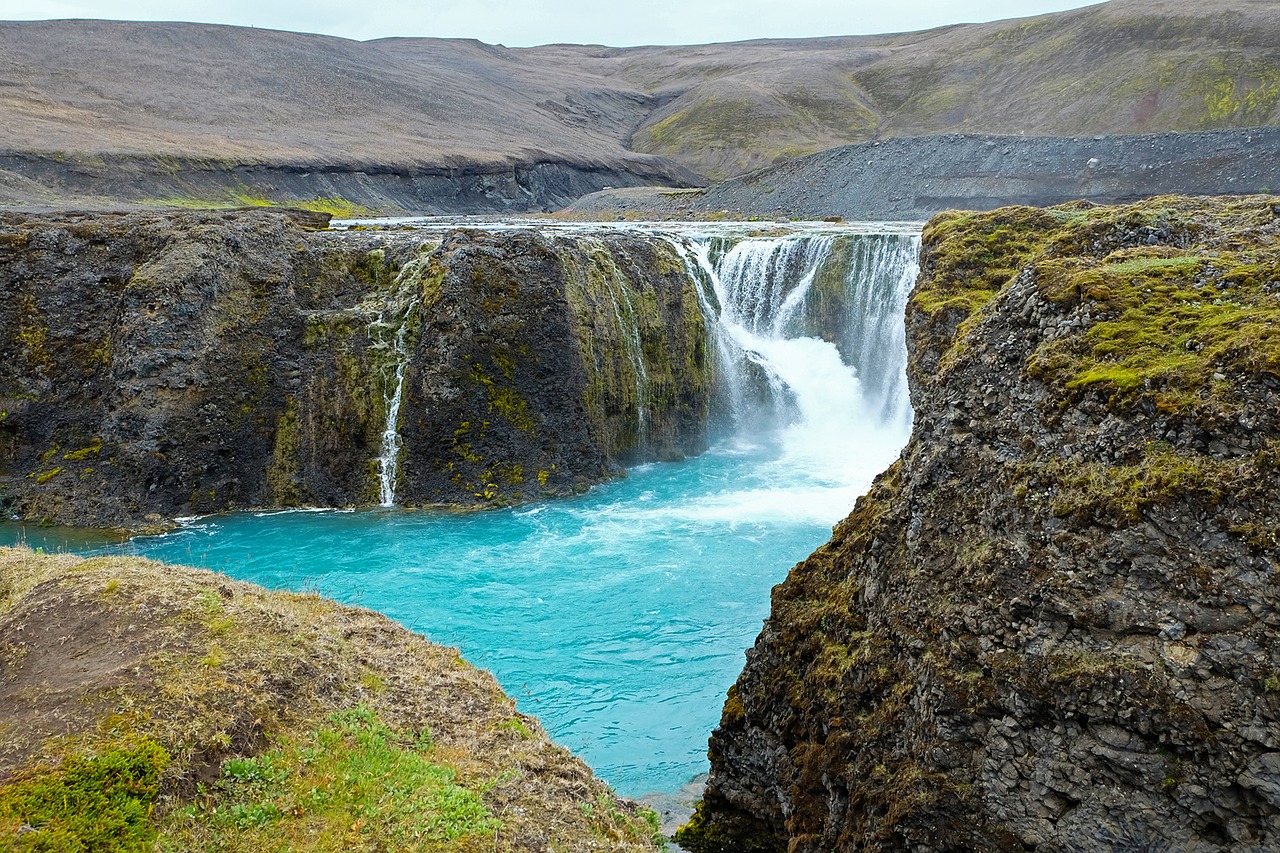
column 519, row 23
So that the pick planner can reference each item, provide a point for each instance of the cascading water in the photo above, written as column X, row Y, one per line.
column 388, row 343
column 801, row 321
column 619, row 617
column 391, row 442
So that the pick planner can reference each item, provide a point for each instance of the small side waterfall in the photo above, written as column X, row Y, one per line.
column 389, row 349
column 391, row 442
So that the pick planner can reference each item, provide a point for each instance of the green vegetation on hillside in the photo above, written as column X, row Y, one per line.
column 338, row 208
column 213, row 715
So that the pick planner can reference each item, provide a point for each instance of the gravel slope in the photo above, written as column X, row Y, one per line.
column 912, row 179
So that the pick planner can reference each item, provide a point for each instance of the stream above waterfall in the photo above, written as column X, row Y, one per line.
column 619, row 617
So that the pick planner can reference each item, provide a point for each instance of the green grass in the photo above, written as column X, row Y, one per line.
column 90, row 803
column 337, row 207
column 351, row 783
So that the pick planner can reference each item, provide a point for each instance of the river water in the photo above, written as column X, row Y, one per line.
column 620, row 617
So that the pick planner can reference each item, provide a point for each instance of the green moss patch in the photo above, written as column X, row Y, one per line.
column 1118, row 493
column 351, row 783
column 969, row 257
column 1177, row 330
column 95, row 803
column 1177, row 299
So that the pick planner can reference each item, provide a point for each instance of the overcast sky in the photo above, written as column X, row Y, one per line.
column 519, row 23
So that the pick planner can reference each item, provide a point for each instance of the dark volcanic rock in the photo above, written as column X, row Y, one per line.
column 163, row 365
column 527, row 369
column 1052, row 624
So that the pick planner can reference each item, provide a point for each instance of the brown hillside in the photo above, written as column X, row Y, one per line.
column 77, row 89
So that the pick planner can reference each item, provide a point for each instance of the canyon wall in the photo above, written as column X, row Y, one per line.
column 1052, row 624
column 160, row 365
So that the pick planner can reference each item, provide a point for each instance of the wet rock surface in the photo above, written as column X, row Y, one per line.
column 1052, row 624
column 160, row 365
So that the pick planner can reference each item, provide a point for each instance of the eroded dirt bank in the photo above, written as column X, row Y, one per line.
column 147, row 706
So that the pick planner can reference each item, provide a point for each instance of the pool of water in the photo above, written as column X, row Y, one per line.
column 619, row 617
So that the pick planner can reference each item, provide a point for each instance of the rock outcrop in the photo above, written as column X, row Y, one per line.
column 165, row 365
column 148, row 706
column 1052, row 624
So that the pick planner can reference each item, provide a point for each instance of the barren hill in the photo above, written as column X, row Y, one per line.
column 144, row 110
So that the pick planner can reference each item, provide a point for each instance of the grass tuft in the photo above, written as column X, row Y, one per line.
column 351, row 783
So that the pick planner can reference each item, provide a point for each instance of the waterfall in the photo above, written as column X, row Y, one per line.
column 391, row 442
column 809, row 333
column 389, row 349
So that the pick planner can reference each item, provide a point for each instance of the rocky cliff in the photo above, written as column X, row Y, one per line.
column 163, row 365
column 1052, row 624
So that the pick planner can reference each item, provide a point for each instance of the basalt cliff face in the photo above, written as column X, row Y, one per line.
column 1052, row 624
column 162, row 365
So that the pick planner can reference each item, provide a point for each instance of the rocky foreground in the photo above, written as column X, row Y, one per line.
column 150, row 707
column 160, row 365
column 1053, row 624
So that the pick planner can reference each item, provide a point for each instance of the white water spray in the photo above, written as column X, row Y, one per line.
column 821, row 372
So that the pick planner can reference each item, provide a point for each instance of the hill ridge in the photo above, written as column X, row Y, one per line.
column 71, row 91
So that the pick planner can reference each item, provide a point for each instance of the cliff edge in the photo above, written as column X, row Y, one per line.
column 1052, row 623
column 153, row 707
column 160, row 365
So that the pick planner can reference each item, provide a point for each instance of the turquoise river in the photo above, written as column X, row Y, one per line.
column 620, row 617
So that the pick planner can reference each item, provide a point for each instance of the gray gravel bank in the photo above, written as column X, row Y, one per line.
column 912, row 179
